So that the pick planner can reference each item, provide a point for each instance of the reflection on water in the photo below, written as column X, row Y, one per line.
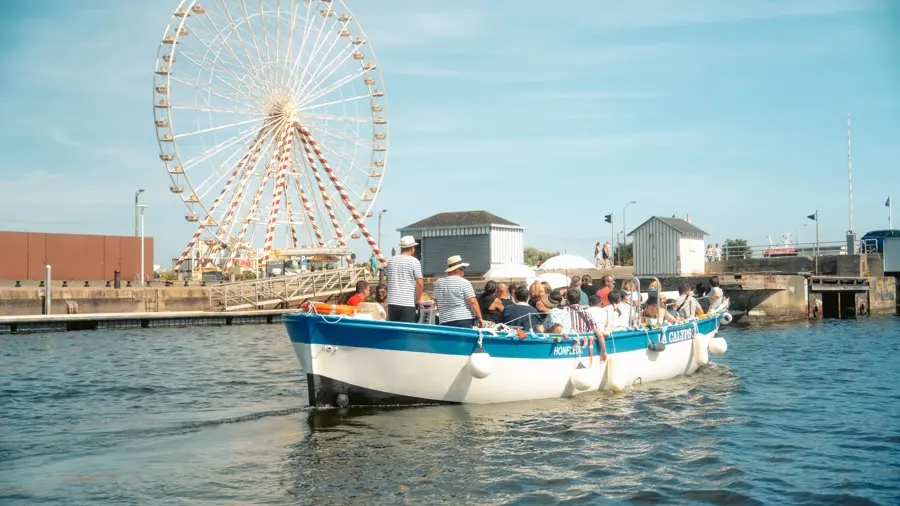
column 800, row 414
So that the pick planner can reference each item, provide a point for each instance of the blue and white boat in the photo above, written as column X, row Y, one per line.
column 356, row 361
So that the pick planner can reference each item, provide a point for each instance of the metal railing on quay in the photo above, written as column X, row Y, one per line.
column 780, row 250
column 259, row 293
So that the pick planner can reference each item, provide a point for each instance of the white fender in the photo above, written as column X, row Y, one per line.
column 614, row 379
column 718, row 346
column 585, row 377
column 727, row 318
column 701, row 349
column 479, row 364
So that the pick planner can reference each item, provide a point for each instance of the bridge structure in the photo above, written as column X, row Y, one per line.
column 281, row 291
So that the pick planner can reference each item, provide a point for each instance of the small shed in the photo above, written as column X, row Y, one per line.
column 483, row 239
column 668, row 247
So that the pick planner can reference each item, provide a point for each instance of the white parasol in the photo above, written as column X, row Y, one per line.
column 566, row 262
column 509, row 271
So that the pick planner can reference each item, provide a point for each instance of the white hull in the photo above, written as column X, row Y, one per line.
column 433, row 377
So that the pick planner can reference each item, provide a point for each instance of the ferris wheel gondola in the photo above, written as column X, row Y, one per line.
column 271, row 120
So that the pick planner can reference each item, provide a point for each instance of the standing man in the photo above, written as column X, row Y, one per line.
column 455, row 297
column 404, row 282
column 373, row 263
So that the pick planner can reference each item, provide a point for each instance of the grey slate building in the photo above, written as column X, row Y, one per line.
column 483, row 239
column 668, row 247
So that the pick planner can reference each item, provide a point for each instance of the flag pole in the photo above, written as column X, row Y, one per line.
column 890, row 214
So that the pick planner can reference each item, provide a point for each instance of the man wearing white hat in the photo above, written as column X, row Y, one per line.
column 455, row 297
column 404, row 282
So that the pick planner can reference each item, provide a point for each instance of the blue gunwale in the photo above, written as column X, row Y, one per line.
column 413, row 337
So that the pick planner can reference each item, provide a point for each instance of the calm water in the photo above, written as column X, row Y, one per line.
column 794, row 414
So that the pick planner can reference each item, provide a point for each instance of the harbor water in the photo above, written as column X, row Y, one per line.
column 796, row 414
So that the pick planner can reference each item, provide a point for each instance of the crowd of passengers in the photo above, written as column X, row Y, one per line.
column 585, row 305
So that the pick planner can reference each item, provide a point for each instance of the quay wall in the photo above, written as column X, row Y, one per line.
column 30, row 301
column 883, row 295
column 832, row 265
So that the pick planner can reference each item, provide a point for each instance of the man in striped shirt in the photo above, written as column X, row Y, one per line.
column 404, row 282
column 455, row 297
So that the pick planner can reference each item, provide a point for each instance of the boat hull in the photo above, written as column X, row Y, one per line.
column 363, row 362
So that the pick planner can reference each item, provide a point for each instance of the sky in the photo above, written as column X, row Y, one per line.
column 548, row 115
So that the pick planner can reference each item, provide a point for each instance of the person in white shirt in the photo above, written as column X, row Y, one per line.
column 716, row 295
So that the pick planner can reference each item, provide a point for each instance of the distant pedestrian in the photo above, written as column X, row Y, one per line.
column 393, row 252
column 373, row 264
column 710, row 253
column 607, row 255
column 718, row 251
column 456, row 302
column 404, row 282
column 598, row 256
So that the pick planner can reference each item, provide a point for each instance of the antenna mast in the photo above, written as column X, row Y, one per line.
column 849, row 173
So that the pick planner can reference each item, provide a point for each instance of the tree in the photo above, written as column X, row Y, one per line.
column 626, row 254
column 532, row 254
column 736, row 249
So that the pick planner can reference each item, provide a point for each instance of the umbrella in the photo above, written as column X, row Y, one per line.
column 509, row 271
column 566, row 262
column 556, row 279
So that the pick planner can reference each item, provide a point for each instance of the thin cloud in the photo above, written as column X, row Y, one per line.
column 663, row 13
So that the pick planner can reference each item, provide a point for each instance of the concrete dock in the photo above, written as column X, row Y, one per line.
column 107, row 321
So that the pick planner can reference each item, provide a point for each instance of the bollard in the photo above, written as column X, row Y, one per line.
column 47, row 297
column 128, row 284
column 18, row 284
column 42, row 284
column 203, row 283
column 87, row 284
column 186, row 283
column 107, row 284
column 65, row 284
column 117, row 279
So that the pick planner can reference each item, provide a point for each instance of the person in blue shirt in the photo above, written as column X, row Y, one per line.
column 373, row 263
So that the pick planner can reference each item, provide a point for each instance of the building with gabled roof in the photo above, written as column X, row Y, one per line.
column 482, row 238
column 668, row 247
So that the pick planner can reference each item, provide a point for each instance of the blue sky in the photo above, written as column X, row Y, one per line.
column 550, row 115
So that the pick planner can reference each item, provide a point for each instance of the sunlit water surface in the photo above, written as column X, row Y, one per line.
column 800, row 414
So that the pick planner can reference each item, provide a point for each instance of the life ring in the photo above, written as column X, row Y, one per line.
column 323, row 308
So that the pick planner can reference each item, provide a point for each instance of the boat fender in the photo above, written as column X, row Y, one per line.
column 479, row 363
column 614, row 380
column 657, row 347
column 701, row 349
column 727, row 318
column 718, row 346
column 581, row 377
column 342, row 400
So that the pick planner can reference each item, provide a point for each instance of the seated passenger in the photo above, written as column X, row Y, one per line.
column 716, row 295
column 362, row 291
column 521, row 313
column 491, row 305
column 686, row 305
column 552, row 319
column 574, row 318
column 654, row 309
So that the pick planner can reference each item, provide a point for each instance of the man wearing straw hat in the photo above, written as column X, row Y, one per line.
column 404, row 282
column 455, row 297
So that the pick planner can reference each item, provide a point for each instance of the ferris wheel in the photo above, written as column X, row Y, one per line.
column 272, row 124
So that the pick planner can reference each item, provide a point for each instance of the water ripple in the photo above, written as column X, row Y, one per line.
column 803, row 414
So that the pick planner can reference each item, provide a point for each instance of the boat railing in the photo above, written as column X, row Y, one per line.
column 636, row 315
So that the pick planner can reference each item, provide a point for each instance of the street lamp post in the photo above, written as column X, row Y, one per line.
column 142, row 207
column 624, row 233
column 137, row 193
column 380, row 213
column 815, row 217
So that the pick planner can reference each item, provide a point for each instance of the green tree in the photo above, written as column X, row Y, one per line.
column 626, row 254
column 736, row 249
column 532, row 254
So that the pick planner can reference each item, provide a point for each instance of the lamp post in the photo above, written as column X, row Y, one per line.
column 624, row 232
column 815, row 217
column 137, row 193
column 142, row 207
column 380, row 213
